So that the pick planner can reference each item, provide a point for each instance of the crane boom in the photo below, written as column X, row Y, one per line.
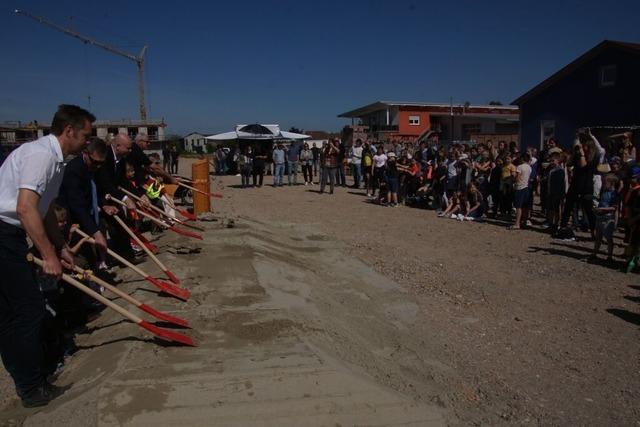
column 139, row 60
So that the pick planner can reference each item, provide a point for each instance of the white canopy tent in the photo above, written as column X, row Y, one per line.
column 257, row 132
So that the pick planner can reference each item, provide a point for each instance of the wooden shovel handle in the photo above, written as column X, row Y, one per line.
column 155, row 208
column 125, row 296
column 93, row 294
column 126, row 228
column 141, row 212
column 113, row 254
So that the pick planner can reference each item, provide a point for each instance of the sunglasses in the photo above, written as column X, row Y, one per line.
column 95, row 161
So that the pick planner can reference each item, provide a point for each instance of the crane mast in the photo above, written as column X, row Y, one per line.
column 139, row 59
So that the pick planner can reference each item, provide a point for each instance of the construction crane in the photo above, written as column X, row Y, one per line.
column 139, row 60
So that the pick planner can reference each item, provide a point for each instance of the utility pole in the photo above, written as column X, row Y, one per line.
column 139, row 60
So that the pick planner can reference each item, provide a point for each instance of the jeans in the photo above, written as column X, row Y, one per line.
column 340, row 174
column 329, row 173
column 316, row 166
column 355, row 171
column 293, row 172
column 22, row 313
column 246, row 174
column 278, row 173
column 220, row 167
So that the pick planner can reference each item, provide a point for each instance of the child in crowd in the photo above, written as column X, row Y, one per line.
column 393, row 179
column 63, row 309
column 454, row 207
column 367, row 174
column 378, row 170
column 495, row 178
column 474, row 203
column 606, row 216
column 507, row 176
column 555, row 191
column 439, row 186
column 632, row 215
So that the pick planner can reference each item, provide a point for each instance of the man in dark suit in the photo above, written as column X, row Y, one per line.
column 142, row 165
column 111, row 175
column 78, row 192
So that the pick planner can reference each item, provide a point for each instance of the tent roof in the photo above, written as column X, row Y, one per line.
column 257, row 132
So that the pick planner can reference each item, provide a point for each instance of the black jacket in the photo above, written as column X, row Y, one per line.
column 75, row 195
column 109, row 177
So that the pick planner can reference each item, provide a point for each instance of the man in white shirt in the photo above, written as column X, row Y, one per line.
column 523, row 173
column 31, row 177
column 356, row 163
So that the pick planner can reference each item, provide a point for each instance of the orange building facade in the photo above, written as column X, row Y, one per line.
column 390, row 121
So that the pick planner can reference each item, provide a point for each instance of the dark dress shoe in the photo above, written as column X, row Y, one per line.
column 41, row 395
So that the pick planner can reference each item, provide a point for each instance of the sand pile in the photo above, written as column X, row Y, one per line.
column 290, row 332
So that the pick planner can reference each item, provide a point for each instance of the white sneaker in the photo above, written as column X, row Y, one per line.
column 469, row 218
column 529, row 224
column 461, row 217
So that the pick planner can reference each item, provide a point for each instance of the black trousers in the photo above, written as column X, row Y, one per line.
column 119, row 240
column 307, row 172
column 258, row 176
column 582, row 200
column 21, row 313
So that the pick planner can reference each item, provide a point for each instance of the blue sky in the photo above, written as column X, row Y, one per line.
column 213, row 64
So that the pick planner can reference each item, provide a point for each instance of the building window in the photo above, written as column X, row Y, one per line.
column 547, row 130
column 414, row 120
column 608, row 75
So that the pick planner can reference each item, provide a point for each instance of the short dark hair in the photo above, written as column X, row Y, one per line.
column 525, row 157
column 97, row 146
column 70, row 115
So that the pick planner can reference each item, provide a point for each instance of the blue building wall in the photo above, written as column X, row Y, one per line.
column 578, row 100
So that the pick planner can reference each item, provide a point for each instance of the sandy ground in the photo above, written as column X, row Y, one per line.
column 327, row 310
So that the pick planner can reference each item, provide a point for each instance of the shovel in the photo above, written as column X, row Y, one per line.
column 160, row 211
column 144, row 307
column 159, row 332
column 156, row 219
column 154, row 258
column 165, row 287
column 216, row 195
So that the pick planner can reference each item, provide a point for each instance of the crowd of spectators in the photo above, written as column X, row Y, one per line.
column 584, row 187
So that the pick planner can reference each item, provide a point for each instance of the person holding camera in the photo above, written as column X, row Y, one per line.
column 586, row 155
column 330, row 166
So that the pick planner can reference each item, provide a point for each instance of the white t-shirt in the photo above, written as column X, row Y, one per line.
column 523, row 172
column 380, row 160
column 451, row 169
column 356, row 155
column 37, row 166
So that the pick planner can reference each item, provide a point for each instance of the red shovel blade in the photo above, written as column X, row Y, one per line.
column 170, row 289
column 187, row 214
column 167, row 335
column 172, row 277
column 186, row 233
column 163, row 316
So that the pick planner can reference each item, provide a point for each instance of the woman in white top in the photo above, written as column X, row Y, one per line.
column 378, row 167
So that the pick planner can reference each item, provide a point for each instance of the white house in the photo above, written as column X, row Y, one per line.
column 195, row 142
